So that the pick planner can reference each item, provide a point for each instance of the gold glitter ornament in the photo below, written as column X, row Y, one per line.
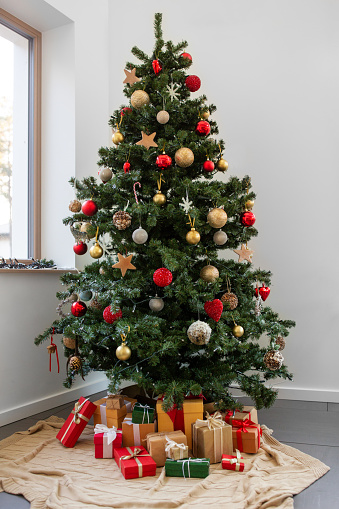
column 139, row 98
column 222, row 164
column 193, row 237
column 74, row 206
column 217, row 217
column 159, row 198
column 199, row 333
column 184, row 157
column 205, row 114
column 69, row 342
column 163, row 117
column 123, row 352
column 122, row 220
column 209, row 273
column 273, row 360
column 249, row 204
column 237, row 331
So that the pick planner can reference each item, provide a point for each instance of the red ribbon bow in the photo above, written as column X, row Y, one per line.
column 243, row 428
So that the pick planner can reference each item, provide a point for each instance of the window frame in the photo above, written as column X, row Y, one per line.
column 34, row 132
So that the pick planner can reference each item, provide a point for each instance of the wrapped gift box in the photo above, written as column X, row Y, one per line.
column 248, row 412
column 180, row 419
column 229, row 462
column 76, row 422
column 135, row 434
column 198, row 467
column 156, row 444
column 108, row 416
column 212, row 438
column 142, row 414
column 106, row 440
column 176, row 451
column 134, row 462
column 114, row 402
column 246, row 436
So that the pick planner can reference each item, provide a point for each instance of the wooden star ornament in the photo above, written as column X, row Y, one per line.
column 147, row 140
column 124, row 264
column 131, row 78
column 244, row 253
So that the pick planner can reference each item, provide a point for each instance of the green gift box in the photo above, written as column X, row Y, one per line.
column 191, row 467
column 142, row 414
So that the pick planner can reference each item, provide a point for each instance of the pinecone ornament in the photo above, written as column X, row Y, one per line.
column 75, row 363
column 281, row 342
column 122, row 220
column 273, row 360
column 229, row 300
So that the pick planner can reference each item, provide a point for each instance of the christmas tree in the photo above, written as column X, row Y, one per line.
column 164, row 308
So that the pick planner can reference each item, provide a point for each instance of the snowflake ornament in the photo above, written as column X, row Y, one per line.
column 172, row 91
column 186, row 204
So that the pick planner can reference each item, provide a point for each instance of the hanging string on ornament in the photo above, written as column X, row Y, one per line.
column 193, row 236
column 222, row 164
column 229, row 299
column 96, row 251
column 123, row 352
column 52, row 348
column 163, row 115
column 159, row 198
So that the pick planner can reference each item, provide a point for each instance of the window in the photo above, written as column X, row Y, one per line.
column 20, row 83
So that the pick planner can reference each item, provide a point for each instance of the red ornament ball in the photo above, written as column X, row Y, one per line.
column 247, row 218
column 203, row 128
column 162, row 277
column 186, row 55
column 264, row 292
column 89, row 208
column 78, row 308
column 208, row 165
column 156, row 66
column 125, row 110
column 110, row 317
column 163, row 161
column 80, row 248
column 127, row 167
column 193, row 83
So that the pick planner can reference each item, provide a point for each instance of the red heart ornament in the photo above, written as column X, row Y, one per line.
column 214, row 308
column 264, row 292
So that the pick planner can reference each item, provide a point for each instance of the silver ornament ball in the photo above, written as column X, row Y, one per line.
column 106, row 174
column 220, row 238
column 85, row 295
column 156, row 304
column 199, row 333
column 140, row 236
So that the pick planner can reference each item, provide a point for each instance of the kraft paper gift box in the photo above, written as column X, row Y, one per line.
column 229, row 462
column 212, row 438
column 108, row 416
column 134, row 462
column 191, row 467
column 248, row 412
column 114, row 402
column 76, row 422
column 106, row 440
column 192, row 410
column 246, row 436
column 156, row 444
column 142, row 414
column 135, row 434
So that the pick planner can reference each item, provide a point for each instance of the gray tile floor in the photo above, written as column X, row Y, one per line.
column 308, row 426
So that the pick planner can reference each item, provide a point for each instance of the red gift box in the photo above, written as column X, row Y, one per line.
column 135, row 462
column 76, row 422
column 106, row 440
column 233, row 462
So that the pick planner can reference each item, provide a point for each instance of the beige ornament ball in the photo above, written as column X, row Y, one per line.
column 139, row 98
column 199, row 333
column 238, row 331
column 217, row 218
column 89, row 229
column 122, row 220
column 163, row 117
column 96, row 251
column 106, row 174
column 209, row 273
column 193, row 237
column 184, row 157
column 220, row 238
column 69, row 342
column 281, row 342
column 249, row 204
column 229, row 300
column 222, row 164
column 118, row 138
column 123, row 352
column 273, row 360
column 74, row 206
column 206, row 114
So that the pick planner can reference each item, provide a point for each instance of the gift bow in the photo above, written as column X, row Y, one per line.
column 242, row 427
column 133, row 454
column 215, row 420
column 76, row 410
column 235, row 460
column 170, row 444
column 111, row 432
column 146, row 408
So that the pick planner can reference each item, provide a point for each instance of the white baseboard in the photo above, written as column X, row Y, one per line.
column 54, row 400
column 301, row 394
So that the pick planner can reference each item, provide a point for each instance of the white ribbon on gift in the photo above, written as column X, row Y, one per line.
column 192, row 460
column 136, row 430
column 235, row 460
column 110, row 433
column 170, row 444
column 146, row 411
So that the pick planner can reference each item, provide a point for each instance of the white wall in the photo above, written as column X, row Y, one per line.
column 271, row 68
